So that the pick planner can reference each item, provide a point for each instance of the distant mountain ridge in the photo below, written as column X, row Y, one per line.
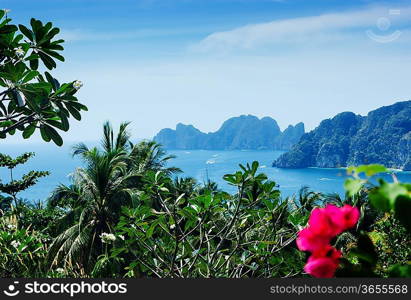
column 245, row 132
column 381, row 137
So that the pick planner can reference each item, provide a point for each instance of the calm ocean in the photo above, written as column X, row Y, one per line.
column 200, row 164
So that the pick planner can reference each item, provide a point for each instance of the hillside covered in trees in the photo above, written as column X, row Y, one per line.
column 245, row 132
column 382, row 137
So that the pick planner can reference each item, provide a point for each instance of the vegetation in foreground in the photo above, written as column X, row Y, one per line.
column 127, row 214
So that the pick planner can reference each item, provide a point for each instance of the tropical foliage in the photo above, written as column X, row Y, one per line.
column 109, row 180
column 29, row 99
column 128, row 213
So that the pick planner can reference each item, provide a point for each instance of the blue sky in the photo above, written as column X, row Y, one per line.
column 160, row 62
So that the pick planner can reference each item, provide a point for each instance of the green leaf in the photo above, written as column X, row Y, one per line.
column 32, row 103
column 152, row 227
column 365, row 251
column 29, row 76
column 383, row 197
column 298, row 219
column 6, row 29
column 54, row 46
column 34, row 64
column 79, row 106
column 52, row 81
column 207, row 201
column 27, row 32
column 36, row 25
column 53, row 134
column 402, row 209
column 28, row 132
column 32, row 56
column 353, row 186
column 64, row 122
column 6, row 123
column 254, row 166
column 231, row 178
column 48, row 61
column 54, row 54
column 74, row 112
column 398, row 271
column 41, row 85
column 62, row 88
column 56, row 124
column 53, row 33
column 368, row 170
column 44, row 134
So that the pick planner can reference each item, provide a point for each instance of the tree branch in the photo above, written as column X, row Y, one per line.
column 21, row 122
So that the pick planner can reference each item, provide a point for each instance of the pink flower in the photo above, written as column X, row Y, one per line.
column 323, row 263
column 351, row 216
column 308, row 240
column 323, row 225
column 321, row 267
column 343, row 217
column 323, row 222
column 327, row 251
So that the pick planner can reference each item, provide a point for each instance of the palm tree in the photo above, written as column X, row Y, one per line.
column 95, row 198
column 187, row 186
column 66, row 196
column 208, row 186
column 109, row 180
column 149, row 155
column 307, row 199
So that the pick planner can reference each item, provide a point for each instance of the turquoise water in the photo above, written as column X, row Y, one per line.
column 215, row 164
column 203, row 164
column 200, row 164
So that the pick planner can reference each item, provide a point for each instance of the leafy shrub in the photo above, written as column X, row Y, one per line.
column 209, row 235
column 392, row 243
column 22, row 252
column 369, row 256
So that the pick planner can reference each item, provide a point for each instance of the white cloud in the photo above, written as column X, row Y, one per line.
column 314, row 28
column 70, row 35
column 309, row 87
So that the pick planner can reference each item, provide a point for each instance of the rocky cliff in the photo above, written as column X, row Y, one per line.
column 245, row 132
column 382, row 137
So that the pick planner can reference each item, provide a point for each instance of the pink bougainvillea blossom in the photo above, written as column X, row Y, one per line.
column 321, row 267
column 351, row 215
column 322, row 222
column 323, row 225
column 327, row 251
column 308, row 240
column 323, row 262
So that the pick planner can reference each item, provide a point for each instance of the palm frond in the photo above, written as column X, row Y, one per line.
column 123, row 137
column 108, row 137
column 79, row 149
